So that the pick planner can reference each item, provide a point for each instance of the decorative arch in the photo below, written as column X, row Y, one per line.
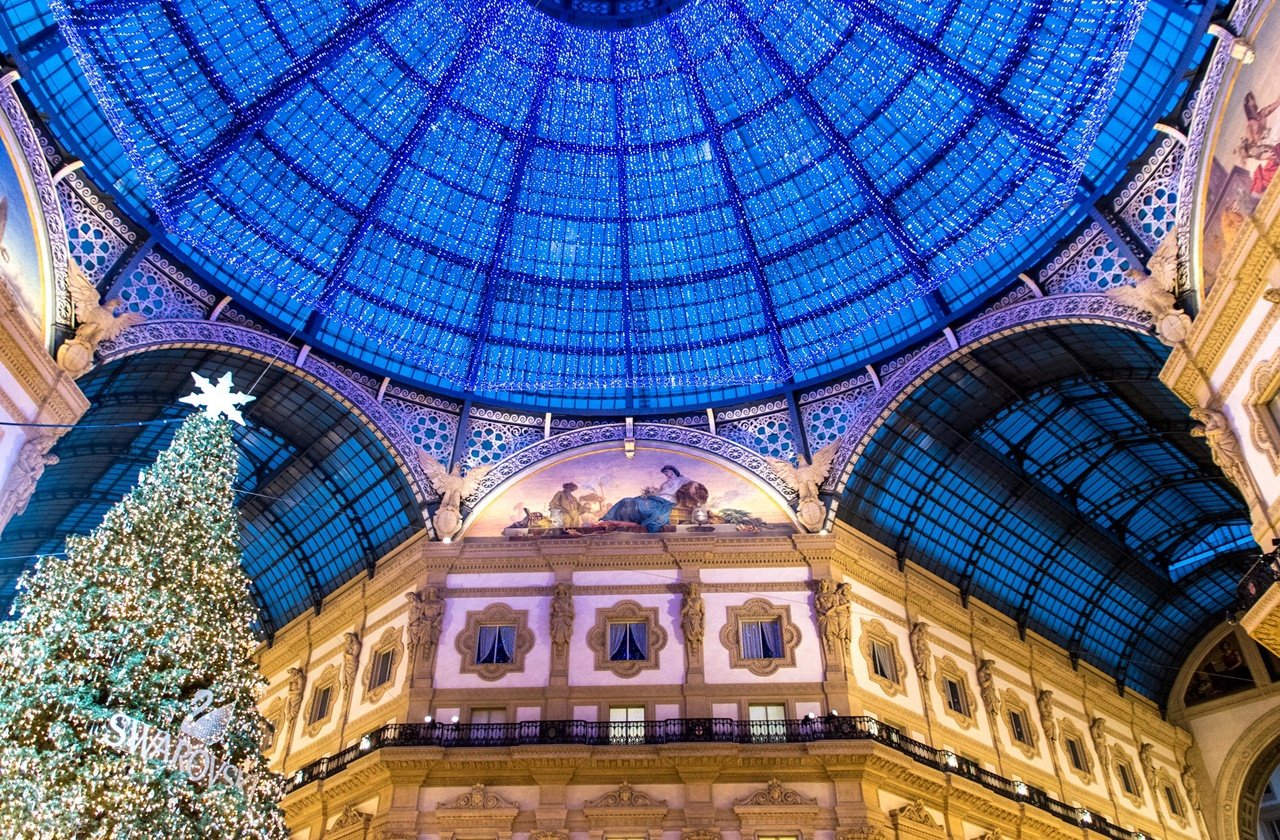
column 1244, row 777
column 206, row 335
column 722, row 452
column 1087, row 308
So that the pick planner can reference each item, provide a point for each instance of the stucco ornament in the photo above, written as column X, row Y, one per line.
column 293, row 702
column 561, row 619
column 426, row 618
column 1191, row 786
column 1223, row 444
column 833, row 604
column 351, row 646
column 692, row 615
column 701, row 834
column 916, row 813
column 1044, row 701
column 351, row 816
column 1098, row 732
column 1154, row 292
column 987, row 687
column 33, row 458
column 776, row 794
column 806, row 478
column 98, row 322
column 452, row 486
column 478, row 799
column 920, row 651
column 626, row 797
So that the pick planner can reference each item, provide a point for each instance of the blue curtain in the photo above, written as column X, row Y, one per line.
column 628, row 641
column 617, row 641
column 752, row 644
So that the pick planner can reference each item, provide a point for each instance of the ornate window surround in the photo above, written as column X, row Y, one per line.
column 390, row 641
column 1169, row 791
column 273, row 723
column 1013, row 703
column 1070, row 732
column 328, row 679
column 873, row 630
column 777, row 810
column 1118, row 759
column 1264, row 387
column 625, row 812
column 629, row 612
column 759, row 609
column 494, row 614
column 945, row 668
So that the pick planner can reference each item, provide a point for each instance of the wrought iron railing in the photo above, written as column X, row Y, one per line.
column 1260, row 577
column 699, row 730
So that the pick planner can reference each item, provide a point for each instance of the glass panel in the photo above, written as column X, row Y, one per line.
column 1076, row 751
column 626, row 725
column 883, row 661
column 320, row 704
column 628, row 641
column 382, row 668
column 955, row 697
column 768, row 722
column 494, row 644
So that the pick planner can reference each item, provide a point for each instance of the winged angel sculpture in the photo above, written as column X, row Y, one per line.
column 805, row 478
column 452, row 486
column 98, row 322
column 1154, row 292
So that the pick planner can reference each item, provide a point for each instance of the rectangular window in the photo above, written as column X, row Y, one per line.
column 883, row 661
column 626, row 725
column 495, row 644
column 488, row 716
column 628, row 641
column 778, row 837
column 1126, row 778
column 1075, row 750
column 380, row 668
column 320, row 704
column 762, row 639
column 955, row 697
column 1018, row 726
column 488, row 724
column 1175, row 804
column 768, row 722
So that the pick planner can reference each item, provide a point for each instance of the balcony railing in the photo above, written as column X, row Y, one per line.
column 699, row 730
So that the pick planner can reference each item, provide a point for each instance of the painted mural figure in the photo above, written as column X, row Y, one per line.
column 652, row 508
column 566, row 507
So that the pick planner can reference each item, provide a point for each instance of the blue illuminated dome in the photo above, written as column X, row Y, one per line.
column 478, row 197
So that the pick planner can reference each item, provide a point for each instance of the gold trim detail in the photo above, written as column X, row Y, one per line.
column 494, row 614
column 626, row 612
column 758, row 609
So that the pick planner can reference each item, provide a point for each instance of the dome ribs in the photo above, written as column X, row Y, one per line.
column 519, row 165
column 252, row 116
column 716, row 139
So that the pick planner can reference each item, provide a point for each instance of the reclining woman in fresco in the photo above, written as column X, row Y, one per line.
column 652, row 508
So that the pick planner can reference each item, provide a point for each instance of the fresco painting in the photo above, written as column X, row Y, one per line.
column 1246, row 151
column 659, row 490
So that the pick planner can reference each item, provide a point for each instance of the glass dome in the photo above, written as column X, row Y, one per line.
column 735, row 195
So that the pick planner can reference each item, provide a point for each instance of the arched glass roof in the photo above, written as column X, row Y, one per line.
column 480, row 198
column 320, row 498
column 1051, row 475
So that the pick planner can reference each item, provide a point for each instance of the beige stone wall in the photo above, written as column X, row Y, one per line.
column 838, row 785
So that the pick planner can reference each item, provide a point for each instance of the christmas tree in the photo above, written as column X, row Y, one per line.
column 119, row 647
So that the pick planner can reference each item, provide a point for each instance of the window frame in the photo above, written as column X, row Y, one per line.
column 767, row 730
column 1014, row 704
column 326, row 682
column 468, row 640
column 1264, row 389
column 1070, row 732
column 755, row 610
column 626, row 612
column 947, row 671
column 1130, row 783
column 630, row 731
column 875, row 633
column 390, row 643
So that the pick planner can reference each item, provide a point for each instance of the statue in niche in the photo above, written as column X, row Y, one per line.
column 1222, row 444
column 561, row 619
column 1044, row 701
column 1098, row 732
column 453, row 486
column 1154, row 292
column 293, row 700
column 32, row 460
column 920, row 651
column 97, row 322
column 987, row 687
column 692, row 614
column 833, row 604
column 426, row 618
column 350, row 661
column 806, row 477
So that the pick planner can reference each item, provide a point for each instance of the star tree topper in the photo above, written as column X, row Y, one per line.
column 217, row 400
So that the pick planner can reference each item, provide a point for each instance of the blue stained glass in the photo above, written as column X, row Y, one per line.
column 918, row 144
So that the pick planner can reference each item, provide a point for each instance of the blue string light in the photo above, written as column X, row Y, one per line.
column 722, row 197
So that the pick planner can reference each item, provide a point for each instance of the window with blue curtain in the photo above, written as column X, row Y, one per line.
column 495, row 644
column 628, row 641
column 762, row 639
